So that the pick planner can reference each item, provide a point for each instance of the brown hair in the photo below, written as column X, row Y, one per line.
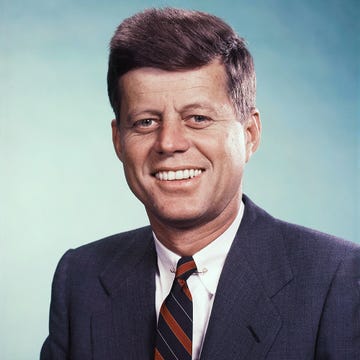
column 175, row 39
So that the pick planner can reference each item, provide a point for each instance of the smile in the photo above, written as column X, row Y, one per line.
column 178, row 174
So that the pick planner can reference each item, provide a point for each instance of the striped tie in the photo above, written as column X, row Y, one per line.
column 174, row 331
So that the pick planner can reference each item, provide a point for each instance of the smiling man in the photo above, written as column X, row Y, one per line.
column 184, row 149
column 213, row 276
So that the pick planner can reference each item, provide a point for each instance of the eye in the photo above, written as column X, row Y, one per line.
column 145, row 125
column 200, row 118
column 199, row 121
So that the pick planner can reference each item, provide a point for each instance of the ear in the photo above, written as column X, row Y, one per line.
column 116, row 139
column 252, row 131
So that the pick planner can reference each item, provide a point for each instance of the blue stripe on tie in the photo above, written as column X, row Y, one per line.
column 172, row 341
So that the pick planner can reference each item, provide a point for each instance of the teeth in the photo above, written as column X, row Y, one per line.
column 178, row 174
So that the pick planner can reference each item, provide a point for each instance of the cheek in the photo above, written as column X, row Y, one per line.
column 133, row 150
column 223, row 148
column 131, row 162
column 136, row 158
column 234, row 145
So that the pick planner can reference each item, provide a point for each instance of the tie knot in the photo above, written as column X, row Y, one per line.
column 185, row 267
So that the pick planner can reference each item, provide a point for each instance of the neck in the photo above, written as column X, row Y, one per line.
column 188, row 239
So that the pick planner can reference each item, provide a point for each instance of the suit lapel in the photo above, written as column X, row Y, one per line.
column 130, row 283
column 244, row 322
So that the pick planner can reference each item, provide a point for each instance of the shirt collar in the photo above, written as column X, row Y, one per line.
column 209, row 260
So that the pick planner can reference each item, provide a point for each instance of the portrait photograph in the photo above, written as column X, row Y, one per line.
column 180, row 180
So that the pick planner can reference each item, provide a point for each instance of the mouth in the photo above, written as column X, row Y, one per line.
column 172, row 175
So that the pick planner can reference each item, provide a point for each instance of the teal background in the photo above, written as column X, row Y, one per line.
column 61, row 183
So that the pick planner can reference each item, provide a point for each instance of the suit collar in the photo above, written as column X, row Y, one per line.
column 257, row 238
column 129, row 281
column 138, row 256
column 244, row 322
column 261, row 239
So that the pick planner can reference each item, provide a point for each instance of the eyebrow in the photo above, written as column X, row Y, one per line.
column 198, row 105
column 133, row 114
column 192, row 106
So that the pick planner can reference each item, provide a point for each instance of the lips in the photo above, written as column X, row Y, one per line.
column 172, row 175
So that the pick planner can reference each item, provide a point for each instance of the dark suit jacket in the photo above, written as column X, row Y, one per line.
column 285, row 292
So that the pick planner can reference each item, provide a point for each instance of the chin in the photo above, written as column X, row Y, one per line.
column 179, row 218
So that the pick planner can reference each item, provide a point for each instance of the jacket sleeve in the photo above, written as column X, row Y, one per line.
column 339, row 331
column 56, row 346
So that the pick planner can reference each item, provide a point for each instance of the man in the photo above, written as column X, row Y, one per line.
column 214, row 276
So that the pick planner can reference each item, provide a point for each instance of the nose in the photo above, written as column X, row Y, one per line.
column 172, row 137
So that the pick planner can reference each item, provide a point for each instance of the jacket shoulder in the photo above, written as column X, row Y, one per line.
column 97, row 254
column 304, row 242
column 305, row 248
column 120, row 241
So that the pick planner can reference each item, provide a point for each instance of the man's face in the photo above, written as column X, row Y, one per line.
column 182, row 146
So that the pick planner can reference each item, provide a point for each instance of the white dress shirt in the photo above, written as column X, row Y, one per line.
column 202, row 285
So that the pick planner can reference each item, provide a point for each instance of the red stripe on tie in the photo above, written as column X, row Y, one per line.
column 158, row 355
column 182, row 269
column 176, row 329
column 186, row 291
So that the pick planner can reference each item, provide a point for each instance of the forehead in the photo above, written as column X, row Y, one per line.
column 209, row 80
